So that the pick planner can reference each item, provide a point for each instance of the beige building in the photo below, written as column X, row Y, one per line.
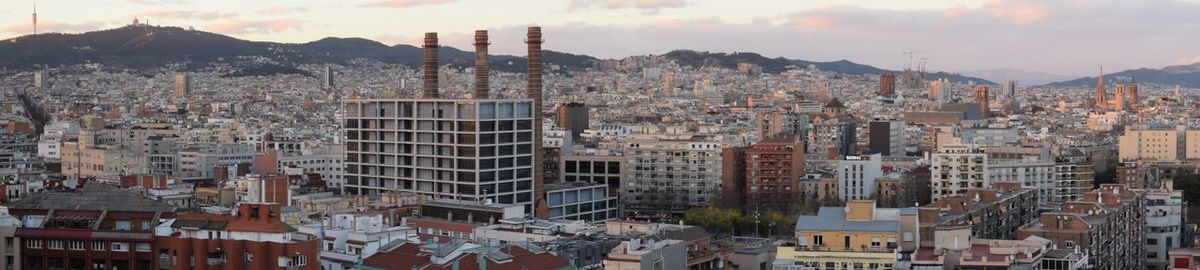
column 671, row 172
column 1153, row 143
column 957, row 168
column 858, row 236
column 83, row 158
column 1191, row 149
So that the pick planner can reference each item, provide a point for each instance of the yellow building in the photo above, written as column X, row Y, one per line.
column 1151, row 143
column 83, row 158
column 858, row 236
column 1192, row 141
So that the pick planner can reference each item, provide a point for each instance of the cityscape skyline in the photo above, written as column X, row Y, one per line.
column 151, row 147
column 1071, row 39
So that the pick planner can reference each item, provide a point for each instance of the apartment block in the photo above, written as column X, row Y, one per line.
column 957, row 168
column 471, row 150
column 857, row 175
column 1164, row 226
column 773, row 171
column 671, row 173
column 993, row 213
column 1037, row 174
column 1153, row 143
column 1108, row 223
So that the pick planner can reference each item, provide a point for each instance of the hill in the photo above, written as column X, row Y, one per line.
column 144, row 47
column 1181, row 75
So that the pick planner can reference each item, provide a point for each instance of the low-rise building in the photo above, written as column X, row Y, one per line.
column 858, row 236
column 97, row 226
column 348, row 237
column 253, row 237
column 581, row 201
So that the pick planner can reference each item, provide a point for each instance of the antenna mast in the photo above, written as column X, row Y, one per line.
column 35, row 17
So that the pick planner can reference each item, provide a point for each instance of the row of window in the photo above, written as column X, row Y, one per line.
column 79, row 244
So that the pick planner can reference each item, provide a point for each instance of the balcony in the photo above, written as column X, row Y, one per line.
column 864, row 249
column 1164, row 220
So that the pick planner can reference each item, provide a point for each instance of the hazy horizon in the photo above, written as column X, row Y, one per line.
column 1070, row 38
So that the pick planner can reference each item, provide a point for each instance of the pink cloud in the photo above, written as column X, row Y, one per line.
column 650, row 6
column 1016, row 12
column 57, row 27
column 407, row 3
column 156, row 2
column 183, row 14
column 278, row 10
column 237, row 27
column 954, row 11
column 1195, row 59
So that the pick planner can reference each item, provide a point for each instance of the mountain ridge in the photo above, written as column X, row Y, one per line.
column 146, row 47
column 1175, row 75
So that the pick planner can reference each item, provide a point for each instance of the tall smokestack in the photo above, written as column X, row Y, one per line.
column 533, row 88
column 481, row 64
column 429, row 89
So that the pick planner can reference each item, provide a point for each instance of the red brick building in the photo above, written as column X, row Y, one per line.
column 774, row 168
column 96, row 227
column 253, row 238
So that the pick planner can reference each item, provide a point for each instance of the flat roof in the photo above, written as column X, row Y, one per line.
column 834, row 219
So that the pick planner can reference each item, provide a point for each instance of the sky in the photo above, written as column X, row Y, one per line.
column 1066, row 37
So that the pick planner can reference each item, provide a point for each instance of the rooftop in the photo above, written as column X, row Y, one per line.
column 91, row 197
column 834, row 219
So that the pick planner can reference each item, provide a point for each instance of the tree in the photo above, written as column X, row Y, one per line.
column 1105, row 177
column 1189, row 183
column 915, row 188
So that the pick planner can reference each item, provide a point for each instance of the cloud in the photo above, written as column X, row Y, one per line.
column 184, row 14
column 407, row 3
column 158, row 2
column 1195, row 59
column 1017, row 12
column 1061, row 37
column 58, row 27
column 238, row 27
column 279, row 10
column 954, row 11
column 649, row 6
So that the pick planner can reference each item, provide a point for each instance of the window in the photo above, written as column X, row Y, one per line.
column 300, row 260
column 875, row 241
column 8, row 243
column 98, row 245
column 33, row 243
column 249, row 256
column 818, row 240
column 908, row 236
column 121, row 225
column 55, row 244
column 120, row 246
column 1151, row 241
column 142, row 247
column 75, row 245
